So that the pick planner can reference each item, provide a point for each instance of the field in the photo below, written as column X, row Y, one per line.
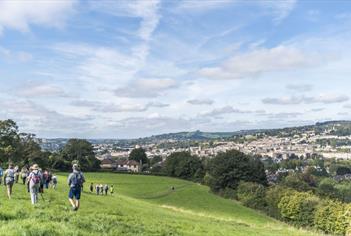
column 142, row 205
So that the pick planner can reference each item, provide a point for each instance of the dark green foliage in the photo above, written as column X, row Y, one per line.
column 273, row 196
column 20, row 148
column 326, row 188
column 77, row 150
column 229, row 168
column 343, row 170
column 296, row 182
column 184, row 165
column 251, row 195
column 138, row 154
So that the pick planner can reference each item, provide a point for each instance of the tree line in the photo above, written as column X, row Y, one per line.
column 22, row 149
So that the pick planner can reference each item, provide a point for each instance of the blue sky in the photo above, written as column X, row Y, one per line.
column 122, row 69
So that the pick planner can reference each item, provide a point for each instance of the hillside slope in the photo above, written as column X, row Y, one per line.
column 142, row 205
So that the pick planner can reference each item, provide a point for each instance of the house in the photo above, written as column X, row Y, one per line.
column 108, row 164
column 128, row 166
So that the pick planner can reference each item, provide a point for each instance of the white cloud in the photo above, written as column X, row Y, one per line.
column 200, row 102
column 201, row 5
column 230, row 110
column 260, row 61
column 40, row 90
column 294, row 100
column 19, row 15
column 144, row 88
column 146, row 10
column 300, row 87
column 279, row 9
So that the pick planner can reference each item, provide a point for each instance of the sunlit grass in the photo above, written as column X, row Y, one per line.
column 142, row 205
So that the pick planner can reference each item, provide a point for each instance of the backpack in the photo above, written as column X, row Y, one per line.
column 77, row 180
column 36, row 178
column 1, row 172
column 10, row 177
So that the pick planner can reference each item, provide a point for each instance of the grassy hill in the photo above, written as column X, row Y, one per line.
column 142, row 205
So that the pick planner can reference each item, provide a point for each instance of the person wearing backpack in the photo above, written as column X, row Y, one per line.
column 34, row 179
column 1, row 174
column 9, row 179
column 75, row 182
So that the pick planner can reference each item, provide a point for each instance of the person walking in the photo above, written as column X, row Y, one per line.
column 75, row 181
column 34, row 179
column 106, row 189
column 112, row 189
column 97, row 187
column 1, row 174
column 16, row 174
column 101, row 187
column 54, row 181
column 91, row 187
column 24, row 174
column 9, row 179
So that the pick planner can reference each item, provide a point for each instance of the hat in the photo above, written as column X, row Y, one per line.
column 35, row 167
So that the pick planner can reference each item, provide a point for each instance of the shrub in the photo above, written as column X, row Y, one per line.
column 332, row 217
column 296, row 182
column 298, row 208
column 272, row 199
column 251, row 195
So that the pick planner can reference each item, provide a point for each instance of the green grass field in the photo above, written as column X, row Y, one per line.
column 142, row 205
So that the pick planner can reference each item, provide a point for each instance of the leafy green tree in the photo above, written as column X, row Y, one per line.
column 79, row 150
column 184, row 165
column 229, row 168
column 138, row 154
column 273, row 197
column 296, row 182
column 251, row 195
column 9, row 141
column 326, row 188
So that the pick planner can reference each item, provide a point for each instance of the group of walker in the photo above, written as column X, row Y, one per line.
column 37, row 180
column 34, row 178
column 102, row 189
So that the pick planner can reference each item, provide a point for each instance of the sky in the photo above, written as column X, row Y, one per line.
column 127, row 69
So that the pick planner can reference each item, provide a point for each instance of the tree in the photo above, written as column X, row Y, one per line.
column 296, row 182
column 9, row 140
column 326, row 188
column 79, row 150
column 251, row 195
column 184, row 165
column 138, row 154
column 229, row 168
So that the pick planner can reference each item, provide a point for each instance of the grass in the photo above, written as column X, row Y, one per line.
column 142, row 205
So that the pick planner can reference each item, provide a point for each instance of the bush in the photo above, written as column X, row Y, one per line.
column 298, row 208
column 332, row 217
column 251, row 195
column 272, row 199
column 296, row 182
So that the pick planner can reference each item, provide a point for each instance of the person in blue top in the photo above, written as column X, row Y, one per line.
column 75, row 181
column 1, row 174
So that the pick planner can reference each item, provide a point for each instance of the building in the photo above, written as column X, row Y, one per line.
column 108, row 164
column 128, row 166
